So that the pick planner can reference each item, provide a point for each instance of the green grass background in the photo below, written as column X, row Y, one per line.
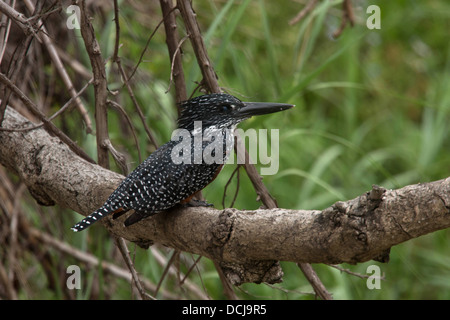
column 372, row 107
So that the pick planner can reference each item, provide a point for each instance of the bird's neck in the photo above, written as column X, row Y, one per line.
column 198, row 128
column 218, row 141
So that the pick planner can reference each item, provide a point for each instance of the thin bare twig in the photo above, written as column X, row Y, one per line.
column 314, row 280
column 141, row 57
column 128, row 120
column 100, row 85
column 194, row 265
column 172, row 67
column 347, row 16
column 173, row 44
column 359, row 275
column 14, row 226
column 76, row 66
column 136, row 104
column 117, row 24
column 261, row 190
column 306, row 9
column 119, row 158
column 120, row 242
column 286, row 291
column 166, row 270
column 193, row 29
column 237, row 186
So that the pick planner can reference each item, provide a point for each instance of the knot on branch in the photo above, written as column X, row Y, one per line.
column 254, row 271
column 240, row 269
column 353, row 223
column 221, row 231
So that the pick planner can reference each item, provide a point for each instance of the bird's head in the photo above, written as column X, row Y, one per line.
column 222, row 110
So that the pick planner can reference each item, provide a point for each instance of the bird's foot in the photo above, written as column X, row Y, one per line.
column 198, row 203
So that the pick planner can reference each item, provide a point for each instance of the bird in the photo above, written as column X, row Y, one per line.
column 177, row 170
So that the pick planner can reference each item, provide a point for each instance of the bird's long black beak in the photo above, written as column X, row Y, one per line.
column 260, row 108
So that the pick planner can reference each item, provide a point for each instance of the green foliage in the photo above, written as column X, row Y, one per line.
column 372, row 107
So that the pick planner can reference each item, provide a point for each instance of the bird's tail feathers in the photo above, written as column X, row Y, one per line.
column 90, row 219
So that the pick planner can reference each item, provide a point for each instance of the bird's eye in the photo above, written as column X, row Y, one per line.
column 228, row 107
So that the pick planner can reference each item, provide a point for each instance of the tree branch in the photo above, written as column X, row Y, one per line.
column 247, row 244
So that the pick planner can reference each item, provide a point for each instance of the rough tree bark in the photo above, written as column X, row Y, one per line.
column 247, row 244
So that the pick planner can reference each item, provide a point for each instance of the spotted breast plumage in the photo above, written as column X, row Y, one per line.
column 182, row 167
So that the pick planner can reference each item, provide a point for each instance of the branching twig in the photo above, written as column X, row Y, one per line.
column 66, row 106
column 4, row 34
column 43, row 35
column 126, row 79
column 15, row 66
column 25, row 24
column 193, row 288
column 236, row 170
column 120, row 242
